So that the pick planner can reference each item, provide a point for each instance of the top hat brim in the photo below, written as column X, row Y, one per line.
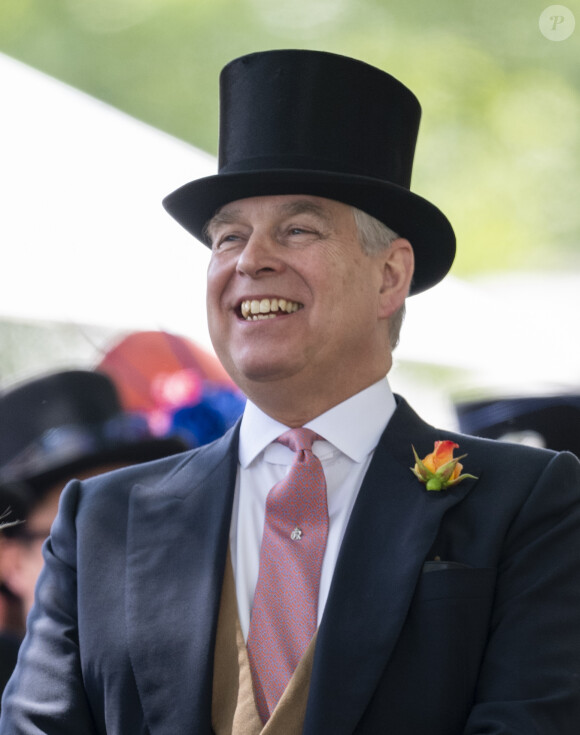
column 54, row 470
column 408, row 214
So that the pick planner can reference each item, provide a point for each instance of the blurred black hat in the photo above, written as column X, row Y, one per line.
column 321, row 124
column 56, row 425
column 549, row 421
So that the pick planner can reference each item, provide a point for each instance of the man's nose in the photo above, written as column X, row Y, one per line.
column 259, row 255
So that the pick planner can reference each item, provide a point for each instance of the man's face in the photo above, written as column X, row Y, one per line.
column 21, row 559
column 292, row 298
column 22, row 555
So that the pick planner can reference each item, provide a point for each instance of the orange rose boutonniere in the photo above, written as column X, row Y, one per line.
column 440, row 469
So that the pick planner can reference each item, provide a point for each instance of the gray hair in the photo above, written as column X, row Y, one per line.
column 374, row 237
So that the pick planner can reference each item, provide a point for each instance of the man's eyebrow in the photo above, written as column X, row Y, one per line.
column 222, row 217
column 305, row 206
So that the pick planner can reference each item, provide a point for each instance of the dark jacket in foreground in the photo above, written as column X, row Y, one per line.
column 121, row 639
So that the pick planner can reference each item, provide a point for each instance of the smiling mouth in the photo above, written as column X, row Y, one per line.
column 267, row 308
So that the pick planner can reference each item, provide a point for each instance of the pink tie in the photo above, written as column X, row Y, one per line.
column 284, row 613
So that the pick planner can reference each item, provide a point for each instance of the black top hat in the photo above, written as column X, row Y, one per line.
column 555, row 420
column 310, row 122
column 66, row 422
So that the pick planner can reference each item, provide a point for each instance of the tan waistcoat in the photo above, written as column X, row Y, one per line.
column 233, row 706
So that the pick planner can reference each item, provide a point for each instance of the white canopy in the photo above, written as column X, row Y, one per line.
column 514, row 332
column 83, row 235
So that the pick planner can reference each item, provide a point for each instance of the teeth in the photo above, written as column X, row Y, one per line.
column 267, row 308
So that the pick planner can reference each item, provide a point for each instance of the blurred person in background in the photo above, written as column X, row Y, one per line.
column 10, row 621
column 55, row 428
column 549, row 421
column 180, row 388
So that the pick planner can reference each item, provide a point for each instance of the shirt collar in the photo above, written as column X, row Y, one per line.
column 369, row 411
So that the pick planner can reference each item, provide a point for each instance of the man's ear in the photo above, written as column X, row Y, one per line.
column 398, row 265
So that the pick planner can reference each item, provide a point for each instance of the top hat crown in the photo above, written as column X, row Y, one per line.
column 322, row 124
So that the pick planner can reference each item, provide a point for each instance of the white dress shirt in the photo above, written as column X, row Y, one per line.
column 351, row 432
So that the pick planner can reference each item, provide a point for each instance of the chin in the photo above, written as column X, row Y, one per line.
column 254, row 372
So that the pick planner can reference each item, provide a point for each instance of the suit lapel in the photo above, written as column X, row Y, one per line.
column 177, row 539
column 392, row 528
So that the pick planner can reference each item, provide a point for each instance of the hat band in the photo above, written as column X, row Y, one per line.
column 302, row 165
column 70, row 442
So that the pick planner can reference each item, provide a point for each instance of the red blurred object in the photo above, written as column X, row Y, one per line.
column 142, row 366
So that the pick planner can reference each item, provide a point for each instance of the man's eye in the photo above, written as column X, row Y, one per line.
column 300, row 236
column 226, row 240
column 302, row 232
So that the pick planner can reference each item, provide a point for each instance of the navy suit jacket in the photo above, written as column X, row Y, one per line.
column 449, row 613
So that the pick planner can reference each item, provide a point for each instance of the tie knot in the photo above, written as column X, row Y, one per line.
column 297, row 439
